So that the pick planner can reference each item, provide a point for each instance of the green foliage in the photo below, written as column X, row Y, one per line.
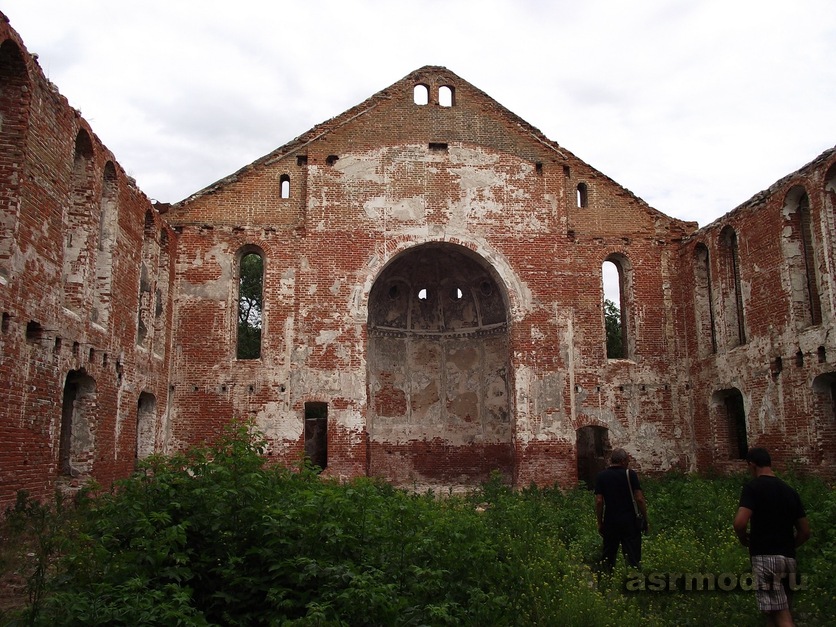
column 214, row 537
column 612, row 323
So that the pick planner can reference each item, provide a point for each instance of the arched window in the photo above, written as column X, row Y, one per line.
column 824, row 418
column 250, row 303
column 446, row 96
column 76, row 447
column 582, row 195
column 284, row 184
column 78, row 225
column 801, row 259
column 421, row 94
column 146, row 424
column 14, row 108
column 161, row 294
column 108, row 235
column 732, row 293
column 614, row 274
column 147, row 280
column 703, row 302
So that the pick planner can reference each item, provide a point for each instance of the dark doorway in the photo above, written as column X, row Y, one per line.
column 738, row 443
column 593, row 446
column 316, row 434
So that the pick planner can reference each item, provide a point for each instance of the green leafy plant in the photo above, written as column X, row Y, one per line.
column 213, row 536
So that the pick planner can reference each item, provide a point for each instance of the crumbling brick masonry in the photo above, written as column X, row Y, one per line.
column 412, row 290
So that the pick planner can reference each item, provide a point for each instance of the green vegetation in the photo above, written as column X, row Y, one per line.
column 213, row 537
column 612, row 323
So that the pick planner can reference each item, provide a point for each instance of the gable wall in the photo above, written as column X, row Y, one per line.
column 504, row 194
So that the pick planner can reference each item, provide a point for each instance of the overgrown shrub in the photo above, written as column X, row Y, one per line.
column 215, row 537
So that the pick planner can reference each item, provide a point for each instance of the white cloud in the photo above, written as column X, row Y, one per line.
column 693, row 106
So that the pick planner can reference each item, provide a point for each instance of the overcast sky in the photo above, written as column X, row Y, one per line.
column 694, row 106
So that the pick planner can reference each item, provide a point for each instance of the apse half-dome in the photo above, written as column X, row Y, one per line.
column 437, row 289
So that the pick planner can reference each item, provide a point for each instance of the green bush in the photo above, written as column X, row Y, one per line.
column 214, row 537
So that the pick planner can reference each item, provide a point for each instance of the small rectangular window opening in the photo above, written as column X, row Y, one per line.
column 34, row 331
column 439, row 146
column 583, row 195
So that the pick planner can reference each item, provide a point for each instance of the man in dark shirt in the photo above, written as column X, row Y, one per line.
column 777, row 524
column 616, row 512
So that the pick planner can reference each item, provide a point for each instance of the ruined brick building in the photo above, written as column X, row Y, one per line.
column 430, row 268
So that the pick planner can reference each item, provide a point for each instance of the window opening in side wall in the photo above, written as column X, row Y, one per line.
column 76, row 446
column 284, row 185
column 250, row 304
column 813, row 298
column 78, row 226
column 107, row 236
column 316, row 433
column 146, row 411
column 704, row 302
column 15, row 97
column 732, row 290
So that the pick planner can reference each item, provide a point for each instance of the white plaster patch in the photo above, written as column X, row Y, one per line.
column 374, row 207
column 478, row 178
column 326, row 337
column 409, row 209
column 279, row 426
column 217, row 289
column 362, row 170
column 472, row 156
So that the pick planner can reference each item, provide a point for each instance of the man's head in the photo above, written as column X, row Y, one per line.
column 619, row 457
column 759, row 457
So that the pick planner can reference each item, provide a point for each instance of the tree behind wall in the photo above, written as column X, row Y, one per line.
column 250, row 300
column 612, row 321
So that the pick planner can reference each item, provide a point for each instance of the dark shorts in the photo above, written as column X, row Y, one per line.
column 772, row 578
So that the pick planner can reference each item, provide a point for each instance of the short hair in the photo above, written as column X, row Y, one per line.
column 619, row 456
column 759, row 457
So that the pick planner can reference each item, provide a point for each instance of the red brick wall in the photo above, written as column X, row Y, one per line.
column 383, row 180
column 34, row 205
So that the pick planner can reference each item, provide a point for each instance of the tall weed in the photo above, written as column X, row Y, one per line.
column 214, row 537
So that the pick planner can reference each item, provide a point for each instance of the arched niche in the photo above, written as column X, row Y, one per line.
column 438, row 365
